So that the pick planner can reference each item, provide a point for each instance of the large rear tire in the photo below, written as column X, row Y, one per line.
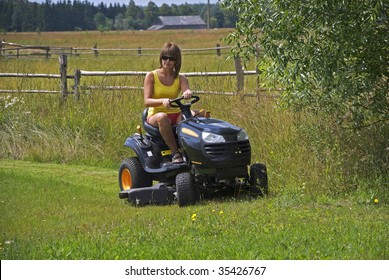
column 187, row 191
column 132, row 175
column 259, row 180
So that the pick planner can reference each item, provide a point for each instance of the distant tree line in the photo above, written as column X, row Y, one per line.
column 24, row 16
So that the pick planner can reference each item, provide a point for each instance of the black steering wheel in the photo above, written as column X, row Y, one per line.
column 176, row 103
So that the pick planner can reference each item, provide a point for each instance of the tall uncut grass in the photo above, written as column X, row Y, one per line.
column 305, row 156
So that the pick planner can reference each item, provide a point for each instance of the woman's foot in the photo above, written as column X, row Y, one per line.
column 177, row 157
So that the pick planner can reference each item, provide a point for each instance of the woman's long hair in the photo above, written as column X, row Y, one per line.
column 172, row 50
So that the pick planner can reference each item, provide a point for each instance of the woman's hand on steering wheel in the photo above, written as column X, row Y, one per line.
column 166, row 102
column 187, row 94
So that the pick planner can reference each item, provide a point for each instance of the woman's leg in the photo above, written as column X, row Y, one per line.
column 162, row 121
column 196, row 113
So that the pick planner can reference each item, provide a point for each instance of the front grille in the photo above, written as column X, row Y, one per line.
column 228, row 149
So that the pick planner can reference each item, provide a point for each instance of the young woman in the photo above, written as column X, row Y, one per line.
column 160, row 86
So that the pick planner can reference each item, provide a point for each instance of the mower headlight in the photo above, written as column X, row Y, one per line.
column 242, row 135
column 212, row 138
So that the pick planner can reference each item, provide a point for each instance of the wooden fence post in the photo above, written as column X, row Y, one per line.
column 95, row 50
column 239, row 76
column 1, row 47
column 63, row 64
column 77, row 78
column 218, row 49
column 139, row 51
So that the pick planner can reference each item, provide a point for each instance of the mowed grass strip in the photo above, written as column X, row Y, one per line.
column 57, row 211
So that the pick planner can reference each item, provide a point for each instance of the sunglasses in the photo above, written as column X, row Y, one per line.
column 168, row 57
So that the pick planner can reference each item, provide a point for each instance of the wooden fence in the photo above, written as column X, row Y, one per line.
column 76, row 77
column 9, row 49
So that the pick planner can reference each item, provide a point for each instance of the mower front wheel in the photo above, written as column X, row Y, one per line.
column 187, row 191
column 132, row 175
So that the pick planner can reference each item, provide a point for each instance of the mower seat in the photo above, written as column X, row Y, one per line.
column 151, row 130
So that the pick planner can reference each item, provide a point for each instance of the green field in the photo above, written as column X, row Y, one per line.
column 58, row 168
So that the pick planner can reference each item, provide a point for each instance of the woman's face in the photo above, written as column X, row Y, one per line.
column 168, row 62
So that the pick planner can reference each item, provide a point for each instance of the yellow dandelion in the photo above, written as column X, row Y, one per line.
column 194, row 217
column 376, row 200
column 221, row 212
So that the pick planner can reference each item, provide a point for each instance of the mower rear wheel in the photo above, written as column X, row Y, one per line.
column 259, row 180
column 132, row 175
column 187, row 191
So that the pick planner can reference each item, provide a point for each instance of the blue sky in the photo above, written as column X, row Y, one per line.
column 144, row 2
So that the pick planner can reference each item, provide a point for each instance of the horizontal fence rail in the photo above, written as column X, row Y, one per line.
column 143, row 73
column 120, row 73
column 28, row 75
column 8, row 49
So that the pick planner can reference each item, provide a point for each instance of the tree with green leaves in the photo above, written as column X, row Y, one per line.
column 329, row 55
column 151, row 13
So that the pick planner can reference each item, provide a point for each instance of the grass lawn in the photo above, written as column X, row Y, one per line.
column 57, row 211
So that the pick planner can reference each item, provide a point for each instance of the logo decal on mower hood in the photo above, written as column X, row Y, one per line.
column 189, row 132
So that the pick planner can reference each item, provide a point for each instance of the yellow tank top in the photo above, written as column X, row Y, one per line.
column 162, row 91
